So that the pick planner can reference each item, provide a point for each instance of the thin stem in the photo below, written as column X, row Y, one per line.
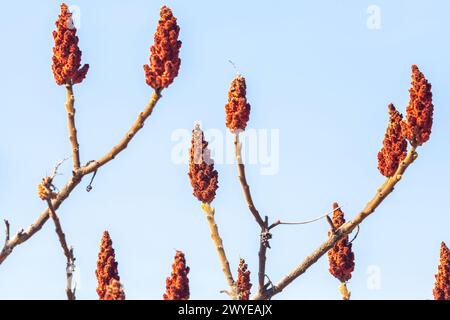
column 264, row 225
column 70, row 108
column 68, row 252
column 243, row 181
column 7, row 231
column 209, row 211
column 345, row 229
column 22, row 236
column 343, row 290
column 263, row 245
column 278, row 222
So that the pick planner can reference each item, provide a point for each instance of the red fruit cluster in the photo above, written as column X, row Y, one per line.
column 114, row 291
column 106, row 266
column 164, row 53
column 66, row 54
column 243, row 281
column 419, row 112
column 394, row 144
column 203, row 177
column 442, row 286
column 341, row 257
column 177, row 285
column 237, row 109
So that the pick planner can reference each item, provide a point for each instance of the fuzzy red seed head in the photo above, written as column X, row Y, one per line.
column 340, row 257
column 419, row 112
column 237, row 109
column 106, row 266
column 177, row 285
column 441, row 289
column 114, row 291
column 203, row 177
column 394, row 145
column 164, row 53
column 243, row 281
column 66, row 58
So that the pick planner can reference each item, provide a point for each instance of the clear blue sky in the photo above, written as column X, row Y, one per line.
column 314, row 70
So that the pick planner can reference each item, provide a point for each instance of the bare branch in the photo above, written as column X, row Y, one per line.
column 75, row 179
column 278, row 222
column 209, row 211
column 243, row 180
column 70, row 108
column 263, row 245
column 7, row 231
column 68, row 252
column 330, row 222
column 343, row 290
column 345, row 229
column 56, row 168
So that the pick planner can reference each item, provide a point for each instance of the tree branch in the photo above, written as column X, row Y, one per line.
column 75, row 179
column 326, row 215
column 7, row 231
column 263, row 245
column 345, row 229
column 68, row 252
column 243, row 181
column 71, row 126
column 209, row 211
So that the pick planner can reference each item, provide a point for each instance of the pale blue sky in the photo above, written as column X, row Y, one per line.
column 314, row 71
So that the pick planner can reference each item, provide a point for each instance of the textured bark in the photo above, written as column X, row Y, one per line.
column 343, row 231
column 217, row 240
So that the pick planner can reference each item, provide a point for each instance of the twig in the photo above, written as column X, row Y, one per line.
column 269, row 282
column 356, row 234
column 68, row 252
column 343, row 290
column 234, row 66
column 263, row 245
column 209, row 211
column 7, row 231
column 70, row 108
column 278, row 222
column 264, row 225
column 75, row 179
column 56, row 168
column 243, row 180
column 89, row 186
column 330, row 222
column 344, row 230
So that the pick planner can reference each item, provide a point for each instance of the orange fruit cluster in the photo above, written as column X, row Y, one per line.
column 177, row 285
column 66, row 53
column 243, row 281
column 419, row 112
column 164, row 53
column 114, row 291
column 106, row 266
column 203, row 177
column 394, row 144
column 237, row 109
column 442, row 286
column 341, row 258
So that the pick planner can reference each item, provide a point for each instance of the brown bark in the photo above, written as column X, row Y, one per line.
column 70, row 108
column 68, row 252
column 347, row 228
column 209, row 211
column 23, row 235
